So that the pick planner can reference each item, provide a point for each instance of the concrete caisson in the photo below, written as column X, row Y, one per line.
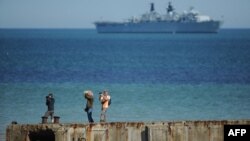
column 123, row 131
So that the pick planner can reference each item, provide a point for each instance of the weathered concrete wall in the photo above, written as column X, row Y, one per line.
column 122, row 131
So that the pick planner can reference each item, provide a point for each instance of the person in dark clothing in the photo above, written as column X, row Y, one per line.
column 89, row 96
column 50, row 104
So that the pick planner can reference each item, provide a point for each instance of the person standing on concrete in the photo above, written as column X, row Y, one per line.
column 105, row 100
column 50, row 101
column 89, row 96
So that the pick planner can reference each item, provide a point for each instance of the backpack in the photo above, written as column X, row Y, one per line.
column 109, row 101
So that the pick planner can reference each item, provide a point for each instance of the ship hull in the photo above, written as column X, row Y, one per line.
column 158, row 27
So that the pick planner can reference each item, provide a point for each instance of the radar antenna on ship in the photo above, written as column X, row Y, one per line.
column 170, row 8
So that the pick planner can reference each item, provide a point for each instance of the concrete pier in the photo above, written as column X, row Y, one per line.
column 123, row 131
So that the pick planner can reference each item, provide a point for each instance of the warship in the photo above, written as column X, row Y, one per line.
column 171, row 22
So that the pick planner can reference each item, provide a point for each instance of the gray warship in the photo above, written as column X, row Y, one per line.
column 171, row 22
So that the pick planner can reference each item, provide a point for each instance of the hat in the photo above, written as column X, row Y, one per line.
column 88, row 92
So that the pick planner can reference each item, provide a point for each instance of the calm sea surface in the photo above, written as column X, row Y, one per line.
column 151, row 77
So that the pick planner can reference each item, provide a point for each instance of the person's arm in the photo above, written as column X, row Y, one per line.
column 105, row 98
column 87, row 96
column 52, row 100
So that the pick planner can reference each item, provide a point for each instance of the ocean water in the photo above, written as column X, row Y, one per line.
column 151, row 77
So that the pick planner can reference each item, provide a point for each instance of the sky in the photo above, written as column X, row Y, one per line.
column 83, row 13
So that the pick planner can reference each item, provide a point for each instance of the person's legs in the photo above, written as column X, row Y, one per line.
column 47, row 114
column 103, row 115
column 90, row 115
column 52, row 116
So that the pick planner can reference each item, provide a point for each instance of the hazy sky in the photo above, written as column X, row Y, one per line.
column 82, row 13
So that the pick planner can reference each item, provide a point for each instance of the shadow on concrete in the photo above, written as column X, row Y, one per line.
column 42, row 135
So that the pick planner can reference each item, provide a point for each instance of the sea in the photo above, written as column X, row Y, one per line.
column 150, row 77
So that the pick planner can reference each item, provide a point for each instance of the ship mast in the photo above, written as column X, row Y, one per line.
column 152, row 8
